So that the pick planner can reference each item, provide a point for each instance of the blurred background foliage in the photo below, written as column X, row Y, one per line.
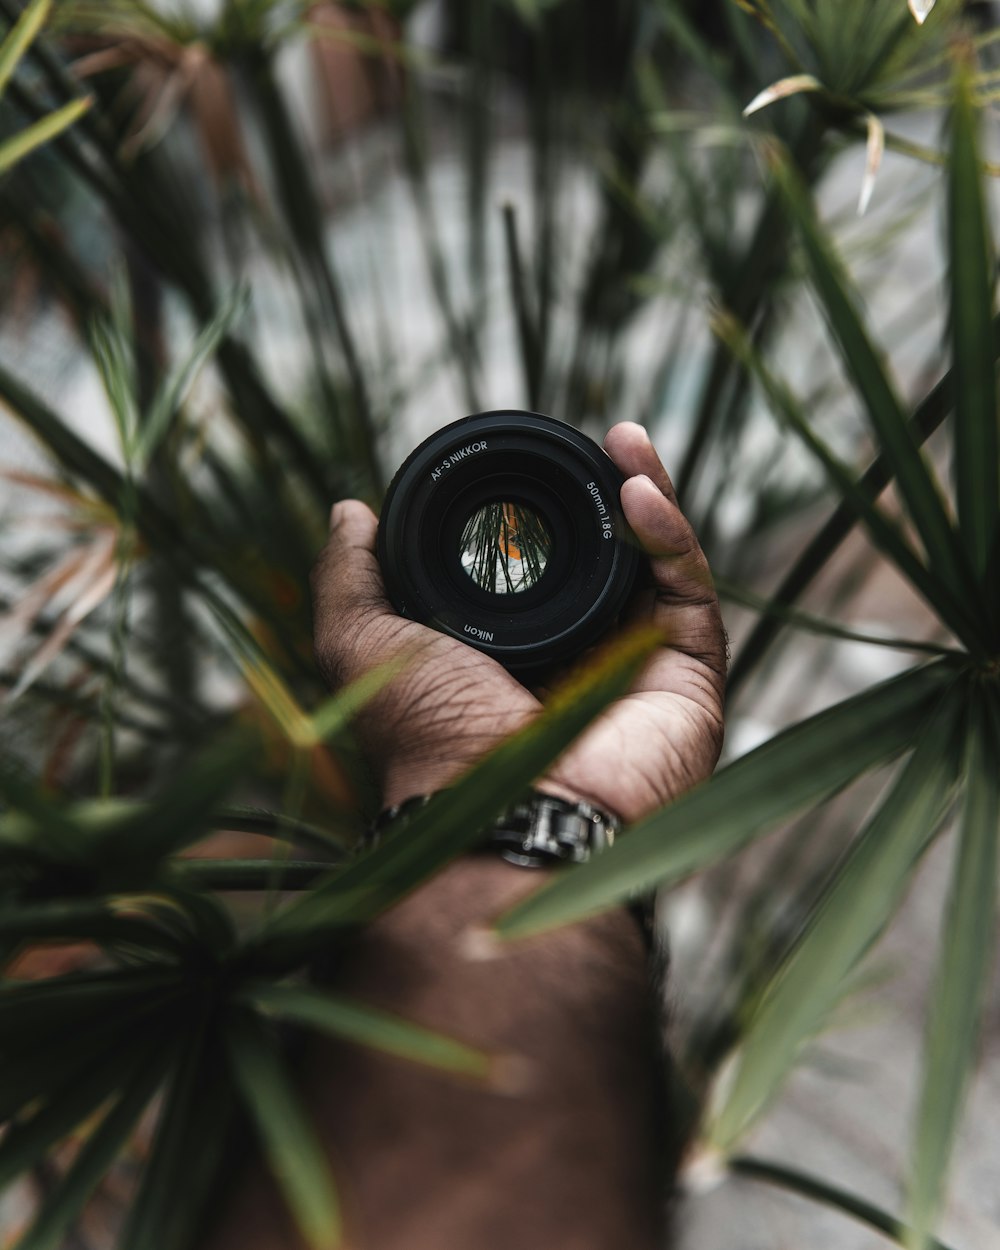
column 266, row 246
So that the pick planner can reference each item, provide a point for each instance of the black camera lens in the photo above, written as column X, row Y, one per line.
column 505, row 530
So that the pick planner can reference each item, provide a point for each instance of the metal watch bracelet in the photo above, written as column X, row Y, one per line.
column 538, row 832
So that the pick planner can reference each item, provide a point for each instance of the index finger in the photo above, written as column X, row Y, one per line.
column 628, row 445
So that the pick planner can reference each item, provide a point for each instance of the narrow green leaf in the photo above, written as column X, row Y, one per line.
column 52, row 1005
column 970, row 249
column 289, row 1141
column 174, row 388
column 460, row 331
column 68, row 1103
column 786, row 775
column 830, row 1195
column 20, row 38
column 963, row 968
column 818, row 624
column 187, row 1152
column 884, row 532
column 18, row 146
column 34, row 1063
column 333, row 842
column 855, row 909
column 527, row 330
column 184, row 551
column 926, row 418
column 115, row 364
column 100, row 922
column 333, row 715
column 355, row 1022
column 34, row 828
column 454, row 819
column 917, row 485
column 66, row 1201
column 180, row 814
column 249, row 874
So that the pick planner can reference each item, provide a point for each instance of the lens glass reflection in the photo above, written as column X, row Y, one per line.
column 505, row 547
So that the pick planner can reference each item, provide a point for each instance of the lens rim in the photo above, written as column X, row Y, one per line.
column 550, row 466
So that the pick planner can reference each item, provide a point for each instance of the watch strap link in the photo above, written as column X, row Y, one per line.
column 540, row 831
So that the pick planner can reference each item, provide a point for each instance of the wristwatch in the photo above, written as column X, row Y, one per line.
column 540, row 831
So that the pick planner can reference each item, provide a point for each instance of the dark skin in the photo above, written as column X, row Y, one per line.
column 557, row 1152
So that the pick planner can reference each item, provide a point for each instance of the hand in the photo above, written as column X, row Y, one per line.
column 451, row 704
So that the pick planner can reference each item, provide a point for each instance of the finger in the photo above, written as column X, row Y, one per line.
column 629, row 447
column 682, row 600
column 680, row 570
column 347, row 577
column 349, row 598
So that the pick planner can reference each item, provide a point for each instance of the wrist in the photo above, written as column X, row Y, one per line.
column 406, row 779
column 537, row 830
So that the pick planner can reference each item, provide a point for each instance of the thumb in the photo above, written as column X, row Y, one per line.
column 348, row 592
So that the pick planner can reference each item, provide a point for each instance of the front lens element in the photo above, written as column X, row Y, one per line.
column 505, row 547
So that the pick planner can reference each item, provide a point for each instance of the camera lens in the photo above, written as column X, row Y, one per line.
column 505, row 530
column 505, row 547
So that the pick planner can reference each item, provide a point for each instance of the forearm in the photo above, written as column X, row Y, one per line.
column 561, row 1151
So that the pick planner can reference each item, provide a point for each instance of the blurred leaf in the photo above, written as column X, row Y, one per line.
column 66, row 1104
column 109, row 923
column 921, row 10
column 334, row 715
column 174, row 388
column 302, row 729
column 956, row 1000
column 67, row 1199
column 852, row 913
column 527, row 330
column 460, row 330
column 18, row 146
column 20, row 38
column 179, row 814
column 186, row 1153
column 885, row 533
column 333, row 842
column 34, row 828
column 917, row 486
column 977, row 447
column 378, row 46
column 48, row 1006
column 355, row 1022
column 112, row 343
column 249, row 874
column 874, row 151
column 92, row 582
column 926, row 418
column 298, row 196
column 182, row 548
column 780, row 90
column 455, row 818
column 819, row 625
column 794, row 770
column 295, row 1155
column 820, row 1190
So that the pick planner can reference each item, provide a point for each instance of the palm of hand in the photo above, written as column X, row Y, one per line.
column 452, row 704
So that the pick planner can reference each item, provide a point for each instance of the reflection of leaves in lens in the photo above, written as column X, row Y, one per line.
column 505, row 547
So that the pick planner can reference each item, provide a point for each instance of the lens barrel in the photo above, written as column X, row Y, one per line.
column 505, row 530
